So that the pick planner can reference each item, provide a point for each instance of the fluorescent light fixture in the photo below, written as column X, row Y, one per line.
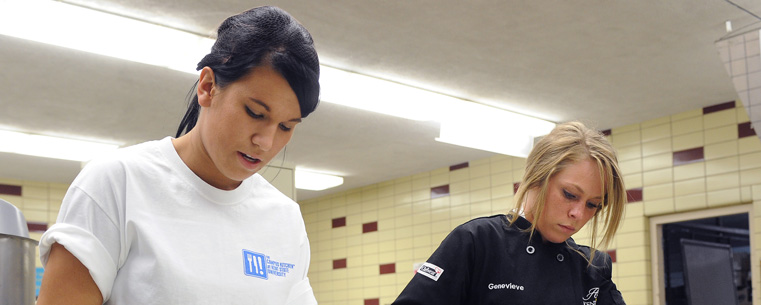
column 51, row 147
column 463, row 122
column 314, row 181
column 101, row 33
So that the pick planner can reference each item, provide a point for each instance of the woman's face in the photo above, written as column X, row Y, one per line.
column 246, row 124
column 573, row 197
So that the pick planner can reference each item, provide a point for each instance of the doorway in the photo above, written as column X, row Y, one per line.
column 692, row 251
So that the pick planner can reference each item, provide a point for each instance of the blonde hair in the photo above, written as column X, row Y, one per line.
column 566, row 144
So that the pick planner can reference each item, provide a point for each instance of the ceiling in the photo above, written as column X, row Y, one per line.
column 608, row 63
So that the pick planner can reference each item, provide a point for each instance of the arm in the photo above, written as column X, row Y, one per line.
column 453, row 262
column 67, row 281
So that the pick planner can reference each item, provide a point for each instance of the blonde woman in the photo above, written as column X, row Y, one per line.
column 528, row 256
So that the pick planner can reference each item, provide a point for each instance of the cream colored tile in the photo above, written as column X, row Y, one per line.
column 724, row 197
column 721, row 134
column 631, row 254
column 687, row 115
column 635, row 209
column 686, row 126
column 656, row 147
column 633, row 224
column 501, row 166
column 478, row 183
column 750, row 160
column 459, row 187
column 629, row 152
column 626, row 138
column 689, row 171
column 440, row 179
column 519, row 163
column 720, row 150
column 500, row 191
column 402, row 186
column 483, row 170
column 657, row 177
column 720, row 166
column 459, row 175
column 630, row 166
column 34, row 191
column 518, row 175
column 720, row 118
column 657, row 161
column 633, row 269
column 655, row 122
column 35, row 215
column 745, row 194
column 503, row 178
column 424, row 194
column 687, row 141
column 742, row 115
column 750, row 176
column 480, row 195
column 688, row 187
column 656, row 132
column 690, row 202
column 16, row 201
column 631, row 181
column 659, row 206
column 625, row 129
column 723, row 181
column 633, row 239
column 749, row 144
column 481, row 162
column 422, row 183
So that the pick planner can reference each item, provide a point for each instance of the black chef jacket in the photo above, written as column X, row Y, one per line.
column 486, row 261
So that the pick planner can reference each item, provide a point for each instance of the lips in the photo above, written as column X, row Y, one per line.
column 568, row 229
column 248, row 161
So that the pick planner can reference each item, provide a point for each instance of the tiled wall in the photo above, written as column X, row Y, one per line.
column 365, row 241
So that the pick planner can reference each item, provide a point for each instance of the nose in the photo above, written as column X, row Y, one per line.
column 577, row 210
column 265, row 136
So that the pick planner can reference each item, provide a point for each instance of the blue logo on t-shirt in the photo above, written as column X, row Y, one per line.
column 261, row 266
column 255, row 263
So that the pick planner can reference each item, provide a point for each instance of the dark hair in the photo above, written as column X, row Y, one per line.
column 264, row 35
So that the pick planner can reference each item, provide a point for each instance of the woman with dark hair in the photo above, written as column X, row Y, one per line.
column 187, row 220
column 528, row 256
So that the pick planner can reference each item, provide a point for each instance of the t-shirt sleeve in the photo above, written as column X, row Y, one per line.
column 445, row 277
column 89, row 230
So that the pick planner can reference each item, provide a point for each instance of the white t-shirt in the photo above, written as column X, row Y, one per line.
column 151, row 232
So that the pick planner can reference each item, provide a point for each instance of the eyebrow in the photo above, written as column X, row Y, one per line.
column 578, row 189
column 296, row 120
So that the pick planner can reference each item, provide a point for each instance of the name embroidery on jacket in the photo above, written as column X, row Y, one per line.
column 262, row 266
column 512, row 286
column 591, row 297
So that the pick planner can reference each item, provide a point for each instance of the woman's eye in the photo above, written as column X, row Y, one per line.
column 592, row 205
column 253, row 115
column 285, row 128
column 568, row 195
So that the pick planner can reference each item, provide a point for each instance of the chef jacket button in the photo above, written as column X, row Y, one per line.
column 530, row 249
column 560, row 257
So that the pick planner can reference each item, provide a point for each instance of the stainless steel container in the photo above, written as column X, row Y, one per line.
column 17, row 270
column 17, row 258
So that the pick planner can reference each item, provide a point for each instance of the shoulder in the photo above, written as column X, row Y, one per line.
column 483, row 227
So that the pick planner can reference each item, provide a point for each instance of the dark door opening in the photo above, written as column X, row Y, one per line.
column 730, row 230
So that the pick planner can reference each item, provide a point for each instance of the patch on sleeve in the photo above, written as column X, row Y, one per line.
column 431, row 271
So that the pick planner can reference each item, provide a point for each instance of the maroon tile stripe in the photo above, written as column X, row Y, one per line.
column 458, row 166
column 605, row 132
column 388, row 268
column 516, row 186
column 719, row 107
column 339, row 263
column 440, row 191
column 612, row 254
column 36, row 226
column 688, row 156
column 745, row 130
column 634, row 195
column 7, row 189
column 339, row 222
column 372, row 301
column 370, row 227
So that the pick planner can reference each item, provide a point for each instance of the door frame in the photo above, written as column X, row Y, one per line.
column 656, row 239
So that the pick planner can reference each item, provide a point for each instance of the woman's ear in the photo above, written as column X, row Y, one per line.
column 206, row 87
